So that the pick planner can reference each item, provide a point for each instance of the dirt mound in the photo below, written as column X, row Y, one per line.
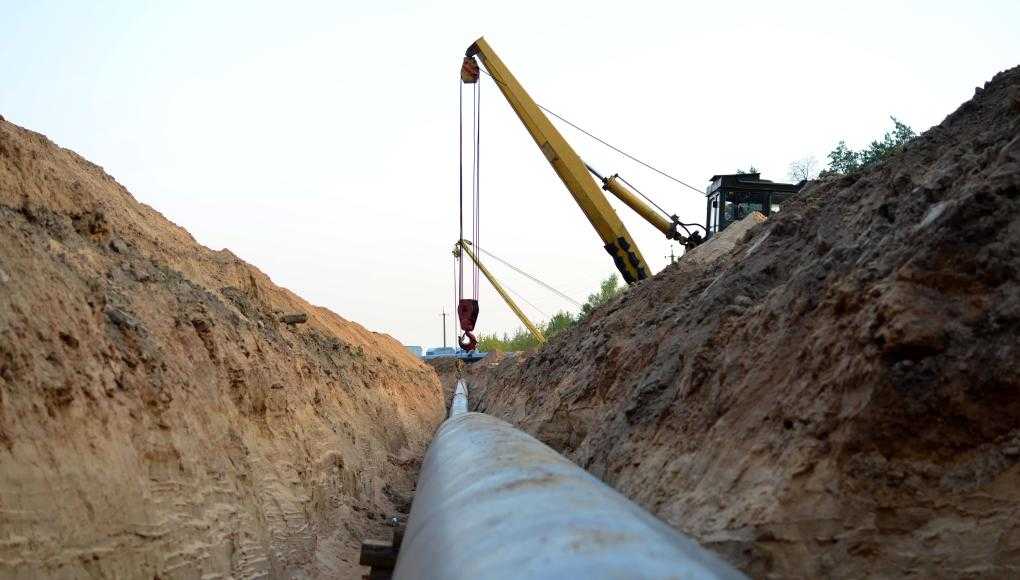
column 157, row 419
column 838, row 395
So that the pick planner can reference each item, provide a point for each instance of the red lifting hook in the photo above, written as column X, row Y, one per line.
column 467, row 312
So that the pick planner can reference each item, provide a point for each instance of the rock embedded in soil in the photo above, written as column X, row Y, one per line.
column 295, row 318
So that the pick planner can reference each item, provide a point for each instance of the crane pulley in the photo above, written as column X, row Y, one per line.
column 469, row 71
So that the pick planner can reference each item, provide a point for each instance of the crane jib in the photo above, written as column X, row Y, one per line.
column 565, row 162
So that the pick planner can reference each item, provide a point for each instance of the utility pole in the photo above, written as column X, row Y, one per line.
column 671, row 257
column 444, row 315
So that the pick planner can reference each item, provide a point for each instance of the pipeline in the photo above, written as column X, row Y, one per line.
column 459, row 405
column 493, row 502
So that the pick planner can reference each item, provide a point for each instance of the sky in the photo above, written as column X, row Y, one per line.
column 319, row 140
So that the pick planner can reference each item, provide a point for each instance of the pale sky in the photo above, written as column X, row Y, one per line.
column 318, row 140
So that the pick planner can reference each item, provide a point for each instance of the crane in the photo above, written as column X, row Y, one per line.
column 575, row 174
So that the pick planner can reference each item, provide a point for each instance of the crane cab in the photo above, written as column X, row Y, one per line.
column 731, row 198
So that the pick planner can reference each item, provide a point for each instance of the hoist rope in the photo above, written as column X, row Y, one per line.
column 456, row 296
column 624, row 153
column 475, row 188
column 458, row 282
column 529, row 276
column 476, row 178
column 606, row 143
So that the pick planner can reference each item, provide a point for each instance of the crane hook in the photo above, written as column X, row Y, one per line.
column 468, row 341
column 467, row 312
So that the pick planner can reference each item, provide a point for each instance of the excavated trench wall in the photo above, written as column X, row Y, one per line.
column 157, row 419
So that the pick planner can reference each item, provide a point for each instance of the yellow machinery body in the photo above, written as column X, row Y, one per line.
column 613, row 186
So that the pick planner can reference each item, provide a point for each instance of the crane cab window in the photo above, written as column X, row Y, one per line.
column 712, row 224
column 731, row 198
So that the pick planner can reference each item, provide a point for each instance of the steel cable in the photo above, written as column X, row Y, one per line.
column 529, row 276
column 604, row 142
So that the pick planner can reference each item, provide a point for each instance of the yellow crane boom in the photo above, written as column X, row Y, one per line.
column 465, row 246
column 565, row 162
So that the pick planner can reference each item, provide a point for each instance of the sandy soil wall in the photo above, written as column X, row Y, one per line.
column 157, row 419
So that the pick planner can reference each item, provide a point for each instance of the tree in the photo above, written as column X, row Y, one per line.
column 522, row 339
column 844, row 161
column 751, row 169
column 803, row 169
column 891, row 141
column 560, row 321
column 608, row 289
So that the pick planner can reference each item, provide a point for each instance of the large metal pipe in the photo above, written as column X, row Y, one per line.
column 459, row 404
column 493, row 503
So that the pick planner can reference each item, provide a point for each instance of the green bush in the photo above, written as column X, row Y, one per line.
column 844, row 160
column 609, row 288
